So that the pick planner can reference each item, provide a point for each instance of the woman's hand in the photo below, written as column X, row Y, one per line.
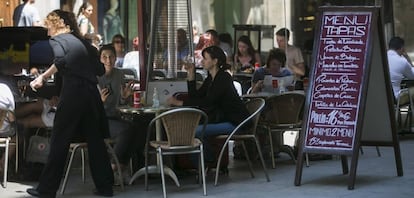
column 127, row 90
column 104, row 94
column 190, row 67
column 37, row 82
column 258, row 86
column 172, row 101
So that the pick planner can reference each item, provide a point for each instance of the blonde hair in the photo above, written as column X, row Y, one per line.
column 55, row 20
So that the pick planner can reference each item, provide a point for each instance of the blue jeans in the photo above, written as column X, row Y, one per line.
column 213, row 129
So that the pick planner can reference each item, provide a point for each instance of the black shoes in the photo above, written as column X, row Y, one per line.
column 104, row 193
column 35, row 193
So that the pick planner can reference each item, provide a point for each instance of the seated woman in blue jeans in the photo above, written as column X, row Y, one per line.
column 216, row 96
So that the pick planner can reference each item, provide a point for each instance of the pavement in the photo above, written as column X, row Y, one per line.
column 376, row 178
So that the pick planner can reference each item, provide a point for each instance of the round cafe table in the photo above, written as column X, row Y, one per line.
column 129, row 113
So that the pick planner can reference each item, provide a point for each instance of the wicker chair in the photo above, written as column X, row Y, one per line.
column 180, row 127
column 5, row 141
column 254, row 106
column 283, row 113
column 82, row 146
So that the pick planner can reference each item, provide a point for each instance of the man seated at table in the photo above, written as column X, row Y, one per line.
column 182, row 49
column 400, row 67
column 275, row 66
column 114, row 93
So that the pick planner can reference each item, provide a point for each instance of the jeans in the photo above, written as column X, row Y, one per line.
column 213, row 129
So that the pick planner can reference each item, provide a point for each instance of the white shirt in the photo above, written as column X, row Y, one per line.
column 131, row 61
column 25, row 15
column 6, row 102
column 400, row 69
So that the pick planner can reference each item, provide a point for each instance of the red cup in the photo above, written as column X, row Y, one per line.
column 305, row 83
column 275, row 83
column 137, row 99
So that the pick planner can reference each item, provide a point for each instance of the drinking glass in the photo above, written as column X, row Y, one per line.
column 188, row 59
column 22, row 85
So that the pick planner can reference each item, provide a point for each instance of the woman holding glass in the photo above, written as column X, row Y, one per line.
column 80, row 111
column 216, row 96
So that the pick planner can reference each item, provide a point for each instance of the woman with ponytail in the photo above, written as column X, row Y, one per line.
column 216, row 96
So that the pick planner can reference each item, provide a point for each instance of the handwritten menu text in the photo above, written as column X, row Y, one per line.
column 337, row 80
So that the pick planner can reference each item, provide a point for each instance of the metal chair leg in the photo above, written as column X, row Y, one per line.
column 272, row 155
column 203, row 173
column 307, row 159
column 83, row 164
column 6, row 162
column 65, row 180
column 164, row 190
column 249, row 162
column 378, row 151
column 259, row 150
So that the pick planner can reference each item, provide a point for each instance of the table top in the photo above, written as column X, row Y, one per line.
column 140, row 110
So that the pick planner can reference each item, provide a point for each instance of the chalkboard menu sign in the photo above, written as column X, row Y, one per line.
column 337, row 83
column 349, row 102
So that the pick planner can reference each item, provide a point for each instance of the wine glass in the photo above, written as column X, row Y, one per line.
column 22, row 85
column 188, row 59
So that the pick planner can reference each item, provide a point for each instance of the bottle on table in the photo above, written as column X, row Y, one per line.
column 155, row 99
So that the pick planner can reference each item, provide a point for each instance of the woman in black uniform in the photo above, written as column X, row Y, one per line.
column 80, row 110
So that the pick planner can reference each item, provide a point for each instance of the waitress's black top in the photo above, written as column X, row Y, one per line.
column 78, row 64
column 218, row 98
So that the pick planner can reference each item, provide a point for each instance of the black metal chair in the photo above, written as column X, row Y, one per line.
column 240, row 133
column 283, row 113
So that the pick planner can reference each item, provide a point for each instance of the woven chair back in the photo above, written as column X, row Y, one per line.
column 3, row 114
column 284, row 109
column 180, row 127
column 252, row 106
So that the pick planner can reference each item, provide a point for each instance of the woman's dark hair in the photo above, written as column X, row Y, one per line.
column 277, row 54
column 107, row 47
column 119, row 36
column 217, row 53
column 83, row 7
column 250, row 49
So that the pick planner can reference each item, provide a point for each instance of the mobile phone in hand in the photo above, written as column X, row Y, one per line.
column 108, row 86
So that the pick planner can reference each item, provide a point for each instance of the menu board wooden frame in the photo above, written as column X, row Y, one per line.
column 349, row 103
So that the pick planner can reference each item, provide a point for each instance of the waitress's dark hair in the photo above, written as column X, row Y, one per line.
column 217, row 53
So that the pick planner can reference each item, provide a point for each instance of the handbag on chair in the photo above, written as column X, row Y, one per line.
column 39, row 148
